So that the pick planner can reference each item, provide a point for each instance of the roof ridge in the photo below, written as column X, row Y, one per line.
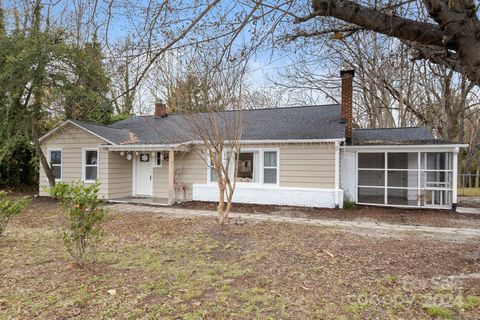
column 98, row 125
column 424, row 127
column 256, row 109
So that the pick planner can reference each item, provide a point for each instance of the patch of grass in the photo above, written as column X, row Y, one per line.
column 437, row 311
column 469, row 192
column 356, row 308
column 468, row 303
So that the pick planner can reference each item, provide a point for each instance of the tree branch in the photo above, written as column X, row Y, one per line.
column 378, row 21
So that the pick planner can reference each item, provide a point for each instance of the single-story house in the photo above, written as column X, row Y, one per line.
column 301, row 156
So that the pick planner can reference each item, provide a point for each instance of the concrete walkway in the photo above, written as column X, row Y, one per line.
column 470, row 211
column 360, row 226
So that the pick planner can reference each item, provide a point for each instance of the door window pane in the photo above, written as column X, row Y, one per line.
column 371, row 160
column 371, row 195
column 144, row 157
column 371, row 178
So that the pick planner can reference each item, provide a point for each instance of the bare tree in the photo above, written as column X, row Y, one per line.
column 441, row 31
column 214, row 119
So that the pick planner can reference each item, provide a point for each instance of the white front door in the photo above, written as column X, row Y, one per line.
column 143, row 182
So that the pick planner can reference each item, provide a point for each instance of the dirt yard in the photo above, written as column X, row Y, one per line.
column 406, row 216
column 152, row 266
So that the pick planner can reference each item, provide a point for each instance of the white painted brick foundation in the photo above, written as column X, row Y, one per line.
column 305, row 197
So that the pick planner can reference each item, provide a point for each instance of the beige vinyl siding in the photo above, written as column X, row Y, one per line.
column 72, row 140
column 307, row 165
column 115, row 171
column 190, row 168
column 119, row 182
column 160, row 181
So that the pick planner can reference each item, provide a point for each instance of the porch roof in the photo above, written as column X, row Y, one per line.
column 397, row 136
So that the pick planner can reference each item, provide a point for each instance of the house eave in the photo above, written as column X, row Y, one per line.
column 63, row 124
column 405, row 146
column 148, row 147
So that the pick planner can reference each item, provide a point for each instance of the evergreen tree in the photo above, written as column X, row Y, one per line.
column 45, row 79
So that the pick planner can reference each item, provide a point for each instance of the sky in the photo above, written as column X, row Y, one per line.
column 115, row 24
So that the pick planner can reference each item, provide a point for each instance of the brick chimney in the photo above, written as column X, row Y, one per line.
column 160, row 109
column 347, row 102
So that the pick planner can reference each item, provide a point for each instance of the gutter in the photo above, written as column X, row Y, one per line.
column 153, row 147
column 407, row 146
column 337, row 174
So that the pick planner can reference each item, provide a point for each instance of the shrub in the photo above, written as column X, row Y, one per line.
column 9, row 208
column 83, row 217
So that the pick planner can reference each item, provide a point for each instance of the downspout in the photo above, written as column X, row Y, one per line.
column 454, row 179
column 337, row 174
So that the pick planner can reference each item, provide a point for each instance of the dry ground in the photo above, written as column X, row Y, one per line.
column 190, row 268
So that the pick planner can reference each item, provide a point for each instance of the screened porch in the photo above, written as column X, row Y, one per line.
column 417, row 179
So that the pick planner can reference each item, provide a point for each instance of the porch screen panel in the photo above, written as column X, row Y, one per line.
column 371, row 195
column 402, row 178
column 371, row 160
column 405, row 178
column 436, row 178
column 371, row 178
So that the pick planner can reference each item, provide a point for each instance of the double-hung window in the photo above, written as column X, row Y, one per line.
column 55, row 159
column 90, row 165
column 255, row 166
column 270, row 167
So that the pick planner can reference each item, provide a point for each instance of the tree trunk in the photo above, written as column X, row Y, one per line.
column 45, row 165
column 222, row 219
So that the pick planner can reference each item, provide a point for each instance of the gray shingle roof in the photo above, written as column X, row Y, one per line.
column 312, row 122
column 395, row 136
column 292, row 123
column 117, row 136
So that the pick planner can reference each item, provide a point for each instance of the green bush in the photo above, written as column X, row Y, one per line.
column 84, row 215
column 9, row 208
column 348, row 203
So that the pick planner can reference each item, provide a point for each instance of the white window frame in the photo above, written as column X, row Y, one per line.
column 158, row 155
column 277, row 167
column 49, row 158
column 261, row 168
column 84, row 165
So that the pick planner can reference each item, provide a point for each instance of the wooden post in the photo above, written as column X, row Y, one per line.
column 171, row 177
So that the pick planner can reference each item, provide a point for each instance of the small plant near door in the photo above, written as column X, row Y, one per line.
column 423, row 198
column 83, row 217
